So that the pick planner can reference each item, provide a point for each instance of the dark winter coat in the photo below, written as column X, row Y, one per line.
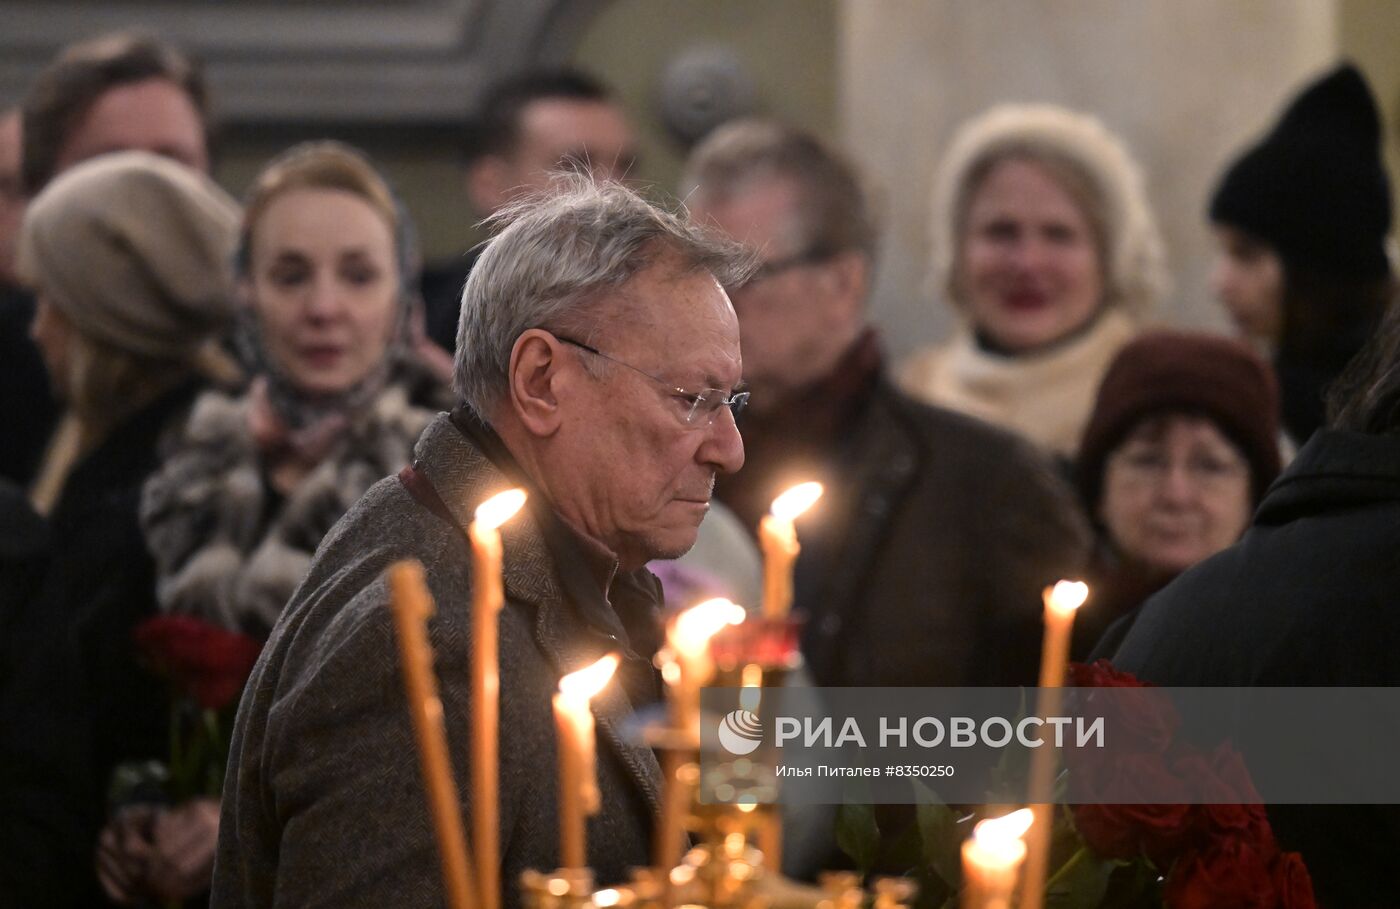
column 79, row 702
column 324, row 803
column 936, row 536
column 1310, row 596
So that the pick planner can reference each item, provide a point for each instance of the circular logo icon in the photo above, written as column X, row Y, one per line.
column 740, row 732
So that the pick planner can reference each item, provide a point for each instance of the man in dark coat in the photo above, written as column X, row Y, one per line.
column 600, row 376
column 1307, row 597
column 924, row 561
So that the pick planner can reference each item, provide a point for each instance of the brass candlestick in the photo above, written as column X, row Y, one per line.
column 564, row 888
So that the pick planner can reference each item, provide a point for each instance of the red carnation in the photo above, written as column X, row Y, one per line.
column 207, row 662
column 1293, row 883
column 1230, row 872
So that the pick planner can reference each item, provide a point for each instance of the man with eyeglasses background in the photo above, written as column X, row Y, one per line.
column 598, row 366
column 924, row 561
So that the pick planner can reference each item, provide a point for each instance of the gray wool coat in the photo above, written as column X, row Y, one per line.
column 324, row 803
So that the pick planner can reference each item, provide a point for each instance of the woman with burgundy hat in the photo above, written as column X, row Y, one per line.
column 1301, row 220
column 1181, row 444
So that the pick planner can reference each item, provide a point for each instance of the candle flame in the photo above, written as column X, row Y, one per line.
column 1066, row 596
column 588, row 681
column 691, row 630
column 500, row 508
column 1002, row 830
column 796, row 500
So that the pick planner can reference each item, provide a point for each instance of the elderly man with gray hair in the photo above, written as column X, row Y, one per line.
column 597, row 366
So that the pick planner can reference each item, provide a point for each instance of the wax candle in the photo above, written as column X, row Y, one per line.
column 488, row 595
column 991, row 858
column 687, row 637
column 1061, row 602
column 412, row 605
column 778, row 539
column 577, row 750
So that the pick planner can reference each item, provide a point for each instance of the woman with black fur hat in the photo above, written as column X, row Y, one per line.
column 1301, row 219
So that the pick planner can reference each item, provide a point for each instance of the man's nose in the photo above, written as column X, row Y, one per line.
column 723, row 446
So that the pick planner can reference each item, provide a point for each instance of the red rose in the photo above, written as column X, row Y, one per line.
column 1229, row 874
column 1101, row 674
column 1122, row 824
column 1227, row 804
column 1292, row 882
column 205, row 661
column 1137, row 716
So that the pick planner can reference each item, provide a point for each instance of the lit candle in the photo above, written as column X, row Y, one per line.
column 412, row 606
column 578, row 774
column 1061, row 602
column 991, row 857
column 778, row 538
column 688, row 637
column 488, row 595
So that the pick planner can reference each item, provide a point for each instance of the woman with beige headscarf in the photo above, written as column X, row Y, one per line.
column 1045, row 244
column 130, row 258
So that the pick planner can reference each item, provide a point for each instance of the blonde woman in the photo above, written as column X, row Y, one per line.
column 337, row 397
column 129, row 256
column 1046, row 246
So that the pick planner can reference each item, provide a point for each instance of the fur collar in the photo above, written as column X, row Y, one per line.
column 227, row 547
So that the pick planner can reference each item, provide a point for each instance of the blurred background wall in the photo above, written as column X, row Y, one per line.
column 1186, row 82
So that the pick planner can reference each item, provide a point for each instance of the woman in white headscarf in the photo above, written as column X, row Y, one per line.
column 1046, row 246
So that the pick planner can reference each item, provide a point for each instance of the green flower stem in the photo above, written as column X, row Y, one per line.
column 1067, row 867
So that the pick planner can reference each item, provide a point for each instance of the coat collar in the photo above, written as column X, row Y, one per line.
column 1334, row 470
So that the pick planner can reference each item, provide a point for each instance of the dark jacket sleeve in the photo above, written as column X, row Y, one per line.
column 343, row 818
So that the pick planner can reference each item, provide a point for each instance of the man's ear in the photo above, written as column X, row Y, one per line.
column 533, row 380
column 489, row 183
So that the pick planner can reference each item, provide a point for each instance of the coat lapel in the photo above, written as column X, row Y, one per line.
column 570, row 646
column 464, row 478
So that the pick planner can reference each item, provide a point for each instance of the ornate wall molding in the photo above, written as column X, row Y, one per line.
column 343, row 61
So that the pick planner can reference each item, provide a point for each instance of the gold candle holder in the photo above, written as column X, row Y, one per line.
column 723, row 872
column 564, row 888
column 841, row 890
column 894, row 892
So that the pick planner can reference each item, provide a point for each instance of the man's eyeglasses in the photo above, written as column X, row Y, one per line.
column 775, row 267
column 701, row 407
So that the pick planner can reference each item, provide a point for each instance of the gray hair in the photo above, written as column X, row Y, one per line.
column 557, row 252
column 1092, row 164
column 833, row 212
